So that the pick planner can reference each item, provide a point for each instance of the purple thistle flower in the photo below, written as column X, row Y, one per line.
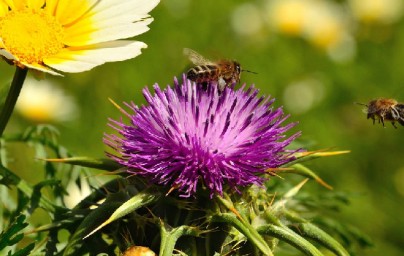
column 187, row 134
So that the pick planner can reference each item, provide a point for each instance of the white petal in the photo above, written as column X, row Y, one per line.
column 69, row 11
column 42, row 69
column 135, row 7
column 106, row 33
column 85, row 58
column 7, row 54
column 111, row 20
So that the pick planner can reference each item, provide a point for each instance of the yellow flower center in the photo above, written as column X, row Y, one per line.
column 31, row 35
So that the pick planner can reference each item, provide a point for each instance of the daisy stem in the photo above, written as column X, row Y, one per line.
column 16, row 85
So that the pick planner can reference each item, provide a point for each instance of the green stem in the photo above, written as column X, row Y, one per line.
column 252, row 235
column 169, row 237
column 16, row 85
column 287, row 235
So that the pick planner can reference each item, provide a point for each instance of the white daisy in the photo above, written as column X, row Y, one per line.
column 44, row 101
column 71, row 35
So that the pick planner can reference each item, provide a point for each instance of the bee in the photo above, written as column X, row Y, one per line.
column 224, row 72
column 385, row 110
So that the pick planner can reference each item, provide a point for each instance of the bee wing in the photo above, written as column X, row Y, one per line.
column 196, row 58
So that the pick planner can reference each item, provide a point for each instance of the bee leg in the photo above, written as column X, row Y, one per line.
column 401, row 121
column 221, row 84
column 382, row 120
column 204, row 86
column 394, row 125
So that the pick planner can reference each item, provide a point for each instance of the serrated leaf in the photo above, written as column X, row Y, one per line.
column 12, row 235
column 36, row 193
column 7, row 177
column 25, row 251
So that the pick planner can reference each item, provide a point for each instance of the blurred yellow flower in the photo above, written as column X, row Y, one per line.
column 43, row 101
column 377, row 11
column 324, row 26
column 71, row 35
column 288, row 16
column 321, row 23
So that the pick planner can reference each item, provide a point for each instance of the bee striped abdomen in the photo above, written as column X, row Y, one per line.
column 203, row 73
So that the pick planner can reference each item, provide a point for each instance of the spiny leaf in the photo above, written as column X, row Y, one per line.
column 306, row 172
column 245, row 229
column 311, row 231
column 169, row 236
column 287, row 235
column 95, row 218
column 306, row 156
column 291, row 193
column 142, row 199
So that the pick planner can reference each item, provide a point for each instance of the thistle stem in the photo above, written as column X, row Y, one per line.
column 8, row 107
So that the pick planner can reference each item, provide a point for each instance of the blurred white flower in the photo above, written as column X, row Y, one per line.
column 246, row 19
column 44, row 101
column 377, row 11
column 301, row 96
column 76, row 193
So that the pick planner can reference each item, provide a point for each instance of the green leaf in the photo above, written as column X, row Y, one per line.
column 8, row 178
column 306, row 172
column 311, row 231
column 142, row 199
column 25, row 251
column 169, row 236
column 246, row 229
column 24, row 187
column 13, row 234
column 95, row 218
column 36, row 193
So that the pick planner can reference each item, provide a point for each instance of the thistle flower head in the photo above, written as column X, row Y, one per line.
column 187, row 135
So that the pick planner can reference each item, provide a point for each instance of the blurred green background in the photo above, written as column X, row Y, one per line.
column 316, row 57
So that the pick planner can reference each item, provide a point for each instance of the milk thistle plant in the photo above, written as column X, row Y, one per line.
column 195, row 171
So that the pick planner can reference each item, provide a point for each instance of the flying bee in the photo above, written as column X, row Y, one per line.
column 385, row 110
column 224, row 72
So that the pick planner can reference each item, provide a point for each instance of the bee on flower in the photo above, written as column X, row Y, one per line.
column 188, row 137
